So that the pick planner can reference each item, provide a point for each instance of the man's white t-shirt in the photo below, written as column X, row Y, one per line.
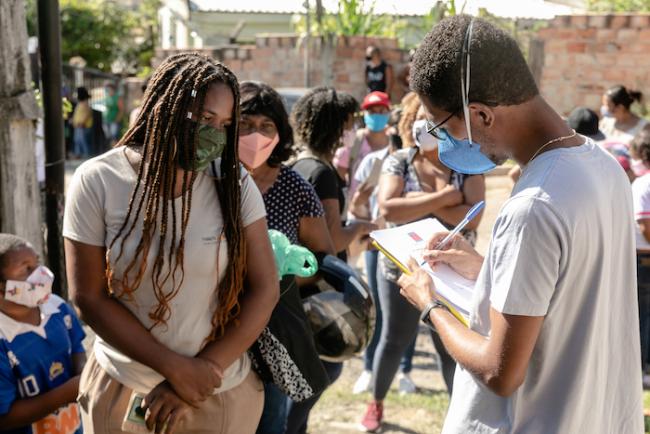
column 563, row 248
column 96, row 206
column 641, row 198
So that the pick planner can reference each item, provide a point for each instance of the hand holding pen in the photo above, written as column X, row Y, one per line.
column 452, row 249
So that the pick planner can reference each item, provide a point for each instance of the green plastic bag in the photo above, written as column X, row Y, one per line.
column 291, row 259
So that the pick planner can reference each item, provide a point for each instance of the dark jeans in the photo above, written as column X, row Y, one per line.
column 399, row 329
column 274, row 415
column 406, row 364
column 83, row 142
column 643, row 282
column 299, row 411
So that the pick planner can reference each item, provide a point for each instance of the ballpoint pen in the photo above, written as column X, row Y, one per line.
column 473, row 212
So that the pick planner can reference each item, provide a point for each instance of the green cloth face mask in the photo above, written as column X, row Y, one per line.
column 210, row 147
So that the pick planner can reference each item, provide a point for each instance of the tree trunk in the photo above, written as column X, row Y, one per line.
column 20, row 202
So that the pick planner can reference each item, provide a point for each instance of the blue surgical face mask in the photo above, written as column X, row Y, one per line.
column 376, row 121
column 464, row 156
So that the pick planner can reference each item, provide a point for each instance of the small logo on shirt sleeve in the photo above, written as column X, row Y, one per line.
column 67, row 320
column 56, row 369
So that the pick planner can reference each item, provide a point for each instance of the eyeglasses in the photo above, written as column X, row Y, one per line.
column 432, row 128
column 247, row 127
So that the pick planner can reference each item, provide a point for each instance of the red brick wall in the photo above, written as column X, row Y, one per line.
column 585, row 55
column 278, row 60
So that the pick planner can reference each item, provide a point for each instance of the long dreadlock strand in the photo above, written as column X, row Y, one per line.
column 228, row 188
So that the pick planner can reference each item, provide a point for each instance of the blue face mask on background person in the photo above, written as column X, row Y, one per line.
column 463, row 156
column 376, row 121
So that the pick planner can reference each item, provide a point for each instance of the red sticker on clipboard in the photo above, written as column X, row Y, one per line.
column 415, row 237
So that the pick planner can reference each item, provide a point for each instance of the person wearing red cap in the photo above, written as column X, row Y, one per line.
column 356, row 145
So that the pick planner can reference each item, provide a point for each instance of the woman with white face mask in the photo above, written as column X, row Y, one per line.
column 619, row 124
column 414, row 184
column 292, row 207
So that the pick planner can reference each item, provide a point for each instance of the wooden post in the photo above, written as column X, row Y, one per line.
column 20, row 201
column 49, row 41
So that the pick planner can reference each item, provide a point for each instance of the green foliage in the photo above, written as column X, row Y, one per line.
column 452, row 10
column 66, row 105
column 103, row 32
column 437, row 12
column 618, row 5
column 353, row 18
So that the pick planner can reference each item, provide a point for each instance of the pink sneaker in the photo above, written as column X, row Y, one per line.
column 374, row 415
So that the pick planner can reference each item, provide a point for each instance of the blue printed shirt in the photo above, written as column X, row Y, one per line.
column 36, row 359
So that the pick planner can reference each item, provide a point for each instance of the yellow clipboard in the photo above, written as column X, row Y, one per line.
column 405, row 270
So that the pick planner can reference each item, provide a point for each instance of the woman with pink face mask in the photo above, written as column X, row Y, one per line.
column 292, row 207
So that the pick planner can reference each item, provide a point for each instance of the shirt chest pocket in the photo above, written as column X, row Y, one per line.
column 206, row 255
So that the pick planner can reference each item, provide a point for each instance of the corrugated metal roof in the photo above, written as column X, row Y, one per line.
column 506, row 8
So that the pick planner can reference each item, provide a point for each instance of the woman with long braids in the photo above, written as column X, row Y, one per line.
column 169, row 262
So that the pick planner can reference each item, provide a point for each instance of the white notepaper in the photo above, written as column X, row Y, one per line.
column 406, row 241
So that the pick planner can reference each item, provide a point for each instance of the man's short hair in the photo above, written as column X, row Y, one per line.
column 499, row 74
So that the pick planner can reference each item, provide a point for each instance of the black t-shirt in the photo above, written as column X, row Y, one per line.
column 376, row 77
column 325, row 180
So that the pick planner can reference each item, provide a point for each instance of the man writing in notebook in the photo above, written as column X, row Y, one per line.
column 552, row 345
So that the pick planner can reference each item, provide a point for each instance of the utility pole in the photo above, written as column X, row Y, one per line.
column 49, row 39
column 20, row 202
column 307, row 37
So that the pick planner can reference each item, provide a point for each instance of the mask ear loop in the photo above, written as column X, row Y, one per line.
column 464, row 80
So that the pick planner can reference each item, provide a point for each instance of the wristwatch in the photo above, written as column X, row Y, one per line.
column 425, row 315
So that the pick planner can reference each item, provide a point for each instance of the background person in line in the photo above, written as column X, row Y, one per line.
column 292, row 207
column 414, row 184
column 550, row 347
column 82, row 122
column 113, row 114
column 318, row 120
column 379, row 74
column 640, row 149
column 373, row 137
column 618, row 122
column 363, row 205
